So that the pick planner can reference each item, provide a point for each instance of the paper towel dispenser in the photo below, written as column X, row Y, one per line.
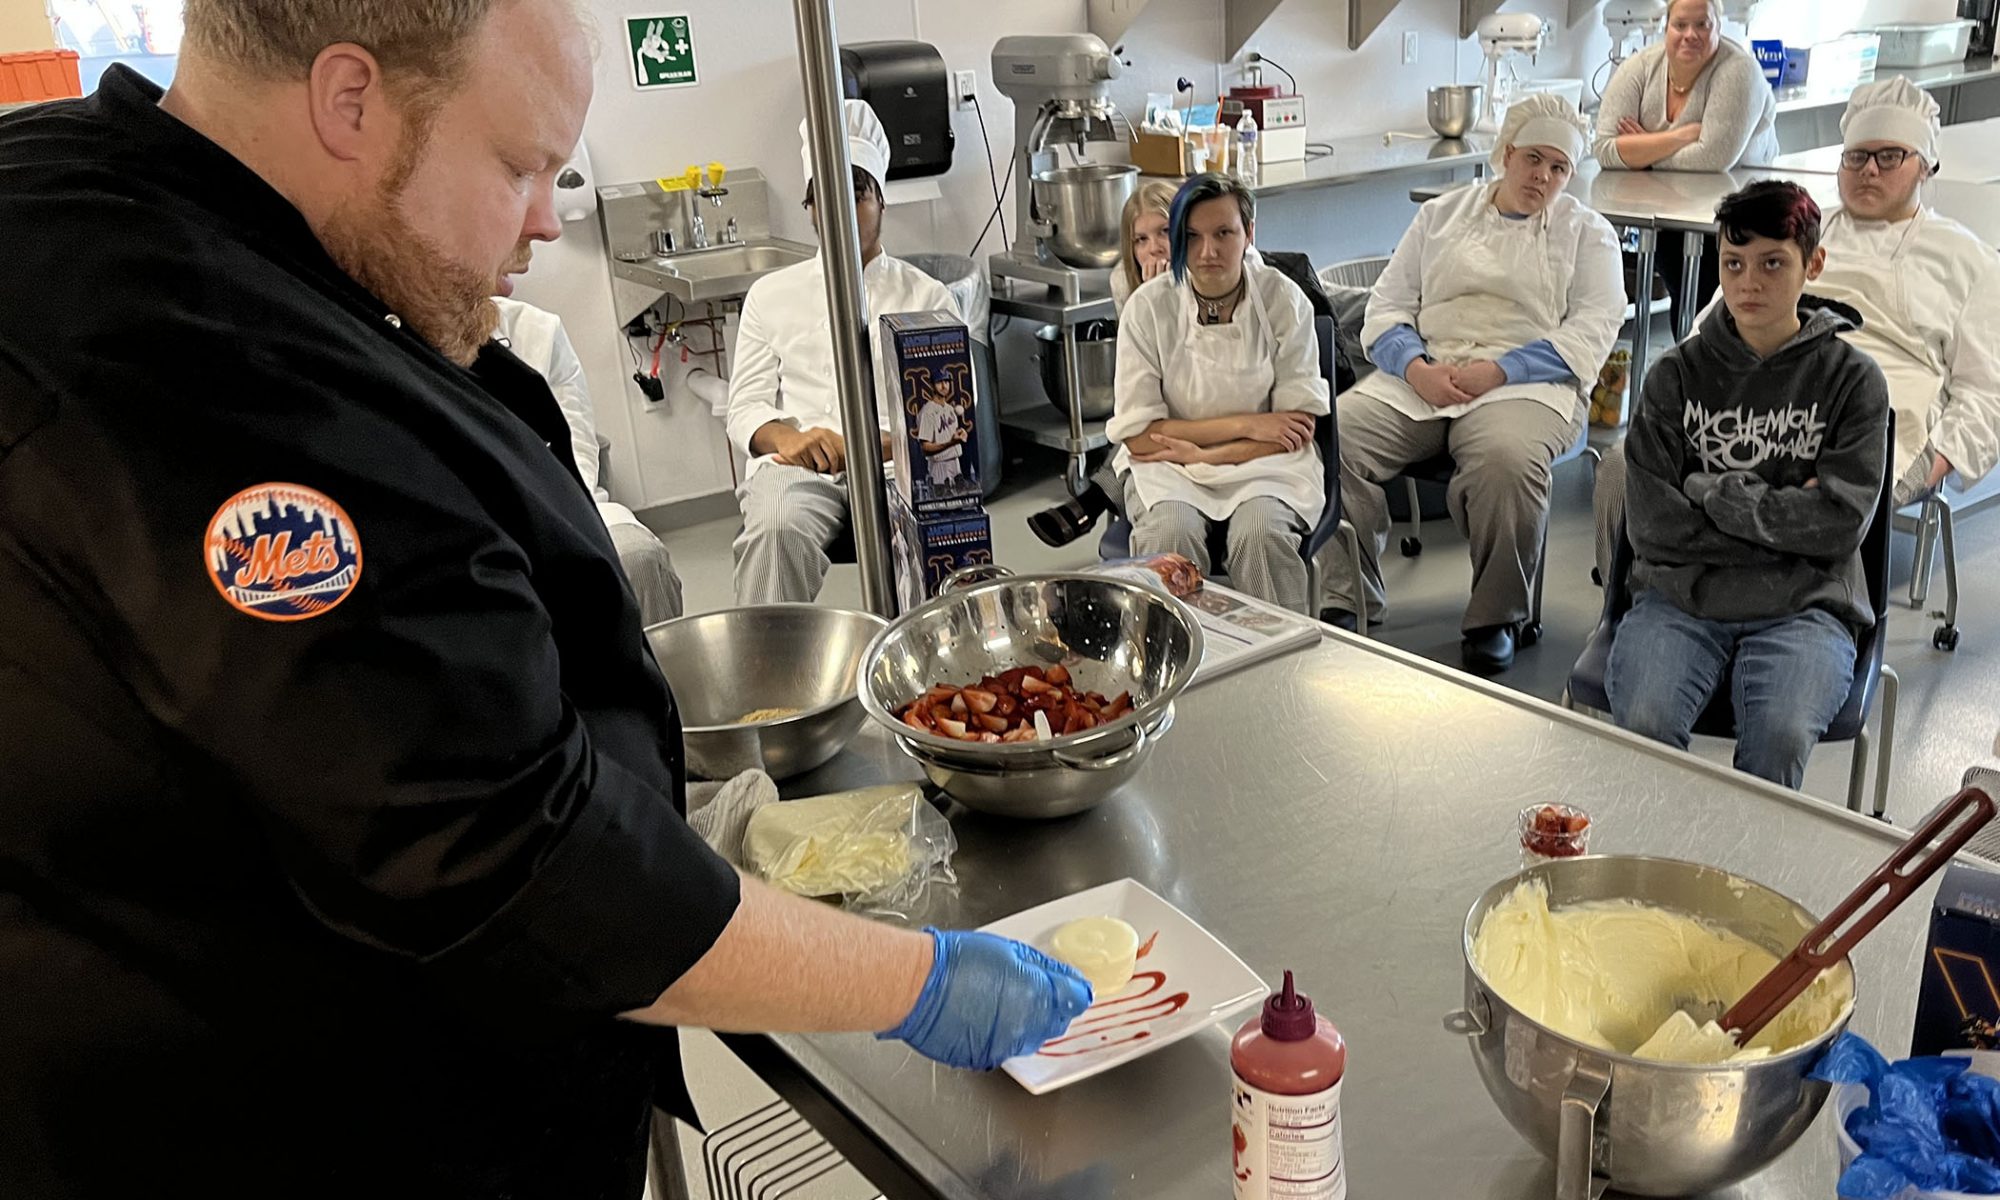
column 910, row 90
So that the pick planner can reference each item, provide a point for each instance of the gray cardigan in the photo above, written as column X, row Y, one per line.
column 1735, row 105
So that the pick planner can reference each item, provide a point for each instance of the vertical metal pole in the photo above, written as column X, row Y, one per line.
column 1693, row 246
column 840, row 246
column 1642, row 332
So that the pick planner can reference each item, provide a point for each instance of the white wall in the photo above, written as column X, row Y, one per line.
column 1347, row 91
column 1804, row 22
column 747, row 109
column 746, row 112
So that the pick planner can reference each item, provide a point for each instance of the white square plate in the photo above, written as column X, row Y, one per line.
column 1185, row 981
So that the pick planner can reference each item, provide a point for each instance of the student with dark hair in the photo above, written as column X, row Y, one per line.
column 1217, row 391
column 1756, row 459
column 784, row 412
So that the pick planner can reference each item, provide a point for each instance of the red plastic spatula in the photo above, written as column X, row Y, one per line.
column 1919, row 858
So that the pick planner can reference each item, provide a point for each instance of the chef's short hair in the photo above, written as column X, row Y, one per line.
column 419, row 43
column 1771, row 208
column 1199, row 190
column 1714, row 7
column 863, row 181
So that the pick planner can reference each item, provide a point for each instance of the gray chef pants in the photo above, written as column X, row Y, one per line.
column 1262, row 538
column 1498, row 496
column 790, row 516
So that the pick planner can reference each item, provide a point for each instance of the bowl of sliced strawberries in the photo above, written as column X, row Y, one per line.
column 1032, row 695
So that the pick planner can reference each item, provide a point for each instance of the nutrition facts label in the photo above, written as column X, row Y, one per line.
column 1288, row 1147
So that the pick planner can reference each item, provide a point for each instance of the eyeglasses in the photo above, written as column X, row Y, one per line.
column 1887, row 159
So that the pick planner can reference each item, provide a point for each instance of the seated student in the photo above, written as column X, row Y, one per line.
column 1756, row 461
column 537, row 338
column 1925, row 287
column 784, row 410
column 1217, row 389
column 1499, row 302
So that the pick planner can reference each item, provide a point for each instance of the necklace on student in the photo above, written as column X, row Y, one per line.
column 1210, row 312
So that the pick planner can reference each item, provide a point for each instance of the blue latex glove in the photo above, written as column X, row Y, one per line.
column 1928, row 1124
column 987, row 1000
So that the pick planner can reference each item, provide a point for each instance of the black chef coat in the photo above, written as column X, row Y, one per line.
column 339, row 793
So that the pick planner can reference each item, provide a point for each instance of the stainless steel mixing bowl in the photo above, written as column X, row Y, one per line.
column 1452, row 108
column 1084, row 205
column 1096, row 361
column 1113, row 635
column 1611, row 1120
column 724, row 665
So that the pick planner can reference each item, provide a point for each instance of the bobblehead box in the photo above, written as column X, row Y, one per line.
column 1958, row 1000
column 927, row 547
column 926, row 380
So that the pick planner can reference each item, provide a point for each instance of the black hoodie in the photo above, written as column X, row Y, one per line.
column 1721, row 449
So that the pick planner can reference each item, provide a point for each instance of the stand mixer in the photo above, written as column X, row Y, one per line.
column 1066, row 213
column 1623, row 18
column 1503, row 36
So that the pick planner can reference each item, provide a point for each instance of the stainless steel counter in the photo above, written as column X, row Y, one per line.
column 1335, row 812
column 1353, row 159
column 1944, row 75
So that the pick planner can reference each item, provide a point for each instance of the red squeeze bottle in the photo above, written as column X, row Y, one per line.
column 1285, row 1103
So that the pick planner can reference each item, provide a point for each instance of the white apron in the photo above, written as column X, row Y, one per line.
column 1211, row 373
column 1868, row 272
column 1494, row 289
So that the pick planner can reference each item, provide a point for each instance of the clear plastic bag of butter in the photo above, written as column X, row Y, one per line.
column 878, row 849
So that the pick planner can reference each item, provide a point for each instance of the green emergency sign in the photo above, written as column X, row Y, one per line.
column 662, row 50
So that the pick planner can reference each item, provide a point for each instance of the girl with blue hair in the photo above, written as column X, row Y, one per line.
column 1217, row 391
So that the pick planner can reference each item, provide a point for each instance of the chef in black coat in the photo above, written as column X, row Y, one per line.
column 341, row 842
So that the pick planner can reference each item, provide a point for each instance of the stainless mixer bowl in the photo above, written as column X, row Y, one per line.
column 1452, row 108
column 1647, row 1128
column 1096, row 361
column 1085, row 205
column 1114, row 636
column 723, row 665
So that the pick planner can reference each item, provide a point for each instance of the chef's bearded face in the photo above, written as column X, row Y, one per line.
column 456, row 206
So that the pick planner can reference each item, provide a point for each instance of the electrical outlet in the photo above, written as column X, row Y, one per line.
column 965, row 85
column 1410, row 48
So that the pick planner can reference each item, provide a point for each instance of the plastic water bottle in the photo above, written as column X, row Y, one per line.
column 1247, row 166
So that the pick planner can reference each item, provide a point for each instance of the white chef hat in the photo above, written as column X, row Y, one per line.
column 1892, row 110
column 867, row 145
column 1542, row 119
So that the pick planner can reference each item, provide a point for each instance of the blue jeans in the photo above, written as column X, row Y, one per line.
column 1791, row 677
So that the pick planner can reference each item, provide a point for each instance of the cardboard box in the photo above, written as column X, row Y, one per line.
column 1958, row 1001
column 928, row 547
column 1160, row 154
column 927, row 375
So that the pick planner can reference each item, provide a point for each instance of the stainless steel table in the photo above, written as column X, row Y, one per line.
column 1654, row 202
column 1335, row 812
column 1040, row 423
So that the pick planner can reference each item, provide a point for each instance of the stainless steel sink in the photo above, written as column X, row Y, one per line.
column 714, row 273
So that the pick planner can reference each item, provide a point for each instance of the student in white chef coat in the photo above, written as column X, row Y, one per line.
column 784, row 410
column 1927, row 289
column 1500, row 302
column 537, row 338
column 1217, row 389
